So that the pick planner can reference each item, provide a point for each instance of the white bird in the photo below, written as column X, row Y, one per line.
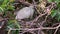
column 26, row 12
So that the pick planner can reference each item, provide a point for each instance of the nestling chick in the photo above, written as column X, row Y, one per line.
column 26, row 12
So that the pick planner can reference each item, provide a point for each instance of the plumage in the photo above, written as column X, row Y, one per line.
column 26, row 12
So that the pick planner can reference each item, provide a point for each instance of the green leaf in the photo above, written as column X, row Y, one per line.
column 15, row 32
column 53, row 13
column 1, row 1
column 10, row 7
column 58, row 15
column 58, row 5
column 58, row 18
column 57, row 1
column 49, row 0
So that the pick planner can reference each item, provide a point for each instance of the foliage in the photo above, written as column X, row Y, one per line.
column 6, row 5
column 55, row 13
column 11, row 23
column 14, row 25
column 15, row 32
column 57, row 1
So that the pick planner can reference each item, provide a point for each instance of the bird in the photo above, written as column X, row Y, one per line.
column 26, row 12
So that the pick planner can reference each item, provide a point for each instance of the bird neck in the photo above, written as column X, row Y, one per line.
column 31, row 6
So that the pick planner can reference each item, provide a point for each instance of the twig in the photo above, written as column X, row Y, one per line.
column 39, row 17
column 55, row 24
column 9, row 31
column 57, row 29
column 35, row 28
column 48, row 9
column 25, row 3
column 2, row 24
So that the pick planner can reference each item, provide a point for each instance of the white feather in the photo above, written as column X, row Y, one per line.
column 25, row 12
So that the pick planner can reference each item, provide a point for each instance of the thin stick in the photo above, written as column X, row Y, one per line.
column 35, row 28
column 9, row 31
column 57, row 29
